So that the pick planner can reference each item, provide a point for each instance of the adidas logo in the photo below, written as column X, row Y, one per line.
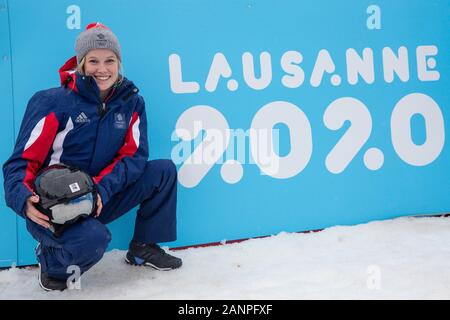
column 82, row 118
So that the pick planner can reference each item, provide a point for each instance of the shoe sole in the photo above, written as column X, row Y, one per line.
column 148, row 264
column 39, row 273
column 40, row 282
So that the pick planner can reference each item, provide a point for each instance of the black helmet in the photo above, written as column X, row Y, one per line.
column 65, row 194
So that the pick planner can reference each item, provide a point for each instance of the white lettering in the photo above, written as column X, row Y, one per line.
column 176, row 77
column 219, row 68
column 74, row 20
column 360, row 66
column 374, row 20
column 423, row 63
column 324, row 63
column 393, row 63
column 398, row 64
column 249, row 71
column 195, row 310
column 290, row 64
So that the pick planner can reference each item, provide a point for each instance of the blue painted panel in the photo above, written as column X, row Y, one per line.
column 358, row 93
column 8, row 229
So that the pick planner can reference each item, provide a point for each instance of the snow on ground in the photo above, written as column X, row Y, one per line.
column 404, row 258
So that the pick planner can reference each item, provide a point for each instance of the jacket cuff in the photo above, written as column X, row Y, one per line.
column 21, row 203
column 103, row 194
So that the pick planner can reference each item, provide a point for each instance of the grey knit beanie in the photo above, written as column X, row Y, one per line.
column 96, row 36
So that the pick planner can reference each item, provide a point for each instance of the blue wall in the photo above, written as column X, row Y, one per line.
column 352, row 140
column 8, row 223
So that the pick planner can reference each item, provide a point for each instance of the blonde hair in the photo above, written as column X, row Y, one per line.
column 80, row 69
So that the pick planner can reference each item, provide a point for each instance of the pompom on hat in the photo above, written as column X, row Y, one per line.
column 96, row 36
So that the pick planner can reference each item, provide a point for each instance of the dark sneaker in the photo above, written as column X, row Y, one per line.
column 50, row 284
column 151, row 255
column 47, row 283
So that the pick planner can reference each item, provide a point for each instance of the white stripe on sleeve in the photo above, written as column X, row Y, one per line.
column 58, row 143
column 35, row 133
column 136, row 132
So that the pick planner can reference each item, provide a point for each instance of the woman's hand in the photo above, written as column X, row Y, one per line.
column 99, row 205
column 34, row 214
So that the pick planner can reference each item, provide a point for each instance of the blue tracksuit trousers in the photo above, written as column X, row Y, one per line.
column 84, row 243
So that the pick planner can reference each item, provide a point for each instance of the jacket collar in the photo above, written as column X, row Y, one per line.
column 87, row 87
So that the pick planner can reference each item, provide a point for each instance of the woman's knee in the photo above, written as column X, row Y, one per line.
column 98, row 233
column 164, row 165
column 82, row 244
column 164, row 168
column 89, row 235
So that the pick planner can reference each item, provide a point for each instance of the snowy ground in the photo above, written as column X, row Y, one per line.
column 405, row 258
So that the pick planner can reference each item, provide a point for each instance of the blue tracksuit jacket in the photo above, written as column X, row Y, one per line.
column 70, row 124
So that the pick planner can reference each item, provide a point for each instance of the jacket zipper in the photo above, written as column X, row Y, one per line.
column 101, row 110
column 102, row 107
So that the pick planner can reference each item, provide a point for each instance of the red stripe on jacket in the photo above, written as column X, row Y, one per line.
column 67, row 74
column 37, row 151
column 128, row 149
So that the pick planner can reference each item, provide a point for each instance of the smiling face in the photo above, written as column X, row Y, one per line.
column 103, row 66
